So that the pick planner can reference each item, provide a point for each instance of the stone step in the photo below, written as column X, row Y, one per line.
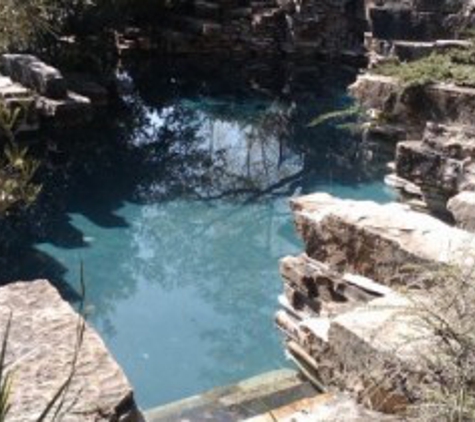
column 74, row 110
column 42, row 344
column 237, row 402
column 386, row 332
column 441, row 164
column 312, row 287
column 343, row 235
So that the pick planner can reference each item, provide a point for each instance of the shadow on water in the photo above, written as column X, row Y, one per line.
column 182, row 187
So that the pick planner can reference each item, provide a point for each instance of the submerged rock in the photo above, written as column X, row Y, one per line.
column 41, row 349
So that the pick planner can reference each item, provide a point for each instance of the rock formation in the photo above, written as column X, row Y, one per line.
column 265, row 28
column 44, row 94
column 343, row 315
column 434, row 163
column 41, row 348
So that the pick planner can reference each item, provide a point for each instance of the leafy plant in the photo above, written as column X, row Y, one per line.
column 454, row 66
column 21, row 20
column 449, row 389
column 352, row 111
column 17, row 168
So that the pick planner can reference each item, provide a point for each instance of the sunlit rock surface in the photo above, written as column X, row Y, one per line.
column 50, row 96
column 462, row 207
column 441, row 165
column 297, row 28
column 344, row 315
column 325, row 407
column 444, row 103
column 375, row 240
column 41, row 349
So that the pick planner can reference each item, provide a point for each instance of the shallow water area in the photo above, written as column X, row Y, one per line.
column 176, row 202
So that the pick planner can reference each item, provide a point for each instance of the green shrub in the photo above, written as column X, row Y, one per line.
column 455, row 66
column 17, row 168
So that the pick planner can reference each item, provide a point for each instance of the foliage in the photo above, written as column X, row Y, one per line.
column 20, row 20
column 448, row 393
column 439, row 381
column 352, row 111
column 455, row 66
column 17, row 169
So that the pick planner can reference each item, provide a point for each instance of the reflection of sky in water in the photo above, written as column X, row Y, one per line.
column 183, row 291
column 203, row 285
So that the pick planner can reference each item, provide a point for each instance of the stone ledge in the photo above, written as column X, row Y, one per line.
column 41, row 347
column 376, row 241
column 441, row 102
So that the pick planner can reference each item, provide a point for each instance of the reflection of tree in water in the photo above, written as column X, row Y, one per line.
column 226, row 158
column 214, row 249
column 144, row 155
column 188, row 138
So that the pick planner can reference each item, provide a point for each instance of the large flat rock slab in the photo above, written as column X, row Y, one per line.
column 377, row 241
column 41, row 349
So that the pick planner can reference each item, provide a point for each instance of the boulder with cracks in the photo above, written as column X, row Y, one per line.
column 45, row 354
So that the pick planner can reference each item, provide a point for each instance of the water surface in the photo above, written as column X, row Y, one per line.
column 176, row 202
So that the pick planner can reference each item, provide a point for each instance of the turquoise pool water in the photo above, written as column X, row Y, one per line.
column 176, row 203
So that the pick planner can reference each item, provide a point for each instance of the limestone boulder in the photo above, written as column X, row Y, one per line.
column 462, row 207
column 445, row 103
column 40, row 355
column 441, row 165
column 33, row 73
column 377, row 241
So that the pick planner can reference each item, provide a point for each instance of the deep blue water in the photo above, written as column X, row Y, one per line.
column 176, row 203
